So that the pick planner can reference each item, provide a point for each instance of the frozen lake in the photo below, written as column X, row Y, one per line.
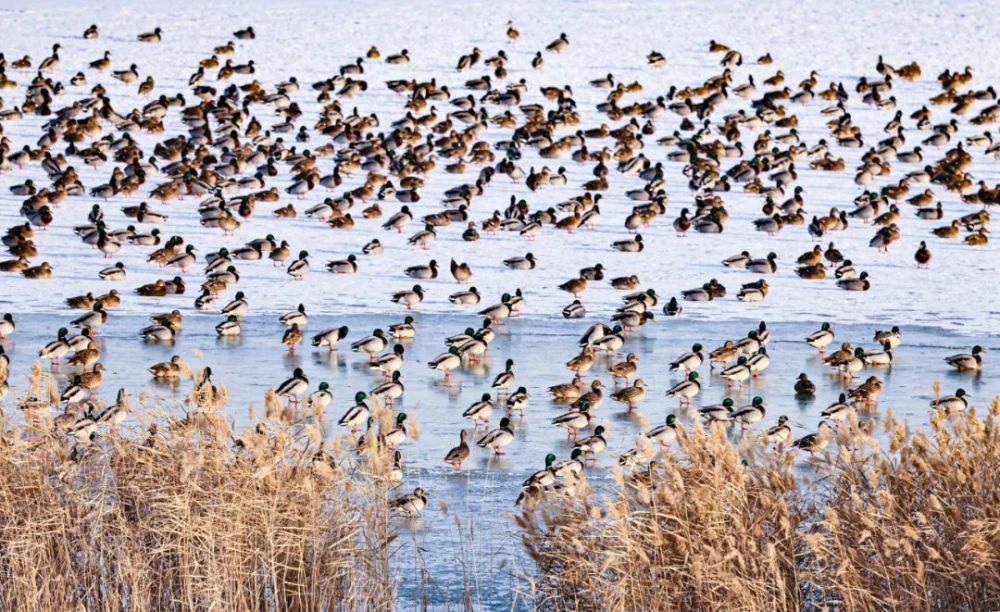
column 942, row 310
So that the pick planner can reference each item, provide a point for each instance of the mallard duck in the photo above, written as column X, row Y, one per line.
column 949, row 403
column 576, row 286
column 748, row 415
column 699, row 294
column 582, row 362
column 848, row 366
column 159, row 332
column 41, row 271
column 664, row 433
column 575, row 310
column 292, row 337
column 893, row 337
column 330, row 337
column 815, row 442
column 672, row 308
column 567, row 392
column 767, row 265
column 839, row 410
column 822, row 338
column 343, row 266
column 689, row 361
column 459, row 454
column 293, row 387
column 966, row 362
column 878, row 357
column 295, row 317
column 574, row 420
column 113, row 273
column 723, row 355
column 592, row 445
column 503, row 380
column 410, row 297
column 497, row 439
column 631, row 395
column 855, row 284
column 923, row 255
column 116, row 413
column 169, row 370
column 737, row 373
column 7, row 326
column 373, row 344
column 389, row 363
column 612, row 342
column 517, row 401
column 356, row 414
column 399, row 434
column 780, row 433
column 753, row 292
column 410, row 505
column 404, row 330
column 480, row 411
column 446, row 362
column 391, row 390
column 804, row 387
column 300, row 267
column 93, row 319
column 718, row 412
column 625, row 369
column 229, row 328
column 686, row 389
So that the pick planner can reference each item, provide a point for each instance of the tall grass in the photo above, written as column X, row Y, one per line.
column 720, row 526
column 185, row 513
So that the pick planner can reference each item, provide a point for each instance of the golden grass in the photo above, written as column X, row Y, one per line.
column 722, row 527
column 186, row 514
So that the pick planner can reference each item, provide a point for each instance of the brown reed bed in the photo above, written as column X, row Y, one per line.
column 715, row 526
column 183, row 513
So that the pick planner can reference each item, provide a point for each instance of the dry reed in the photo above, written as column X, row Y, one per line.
column 723, row 527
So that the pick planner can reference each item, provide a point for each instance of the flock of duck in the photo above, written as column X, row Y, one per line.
column 228, row 160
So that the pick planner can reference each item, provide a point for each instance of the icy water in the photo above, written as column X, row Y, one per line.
column 485, row 490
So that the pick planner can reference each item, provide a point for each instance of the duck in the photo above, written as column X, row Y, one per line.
column 718, row 413
column 480, row 411
column 521, row 263
column 967, row 362
column 404, row 330
column 7, row 326
column 292, row 337
column 446, row 362
column 229, row 328
column 804, row 387
column 300, row 267
column 861, row 283
column 766, row 265
column 160, row 332
column 319, row 399
column 389, row 363
column 517, row 401
column 815, row 442
column 295, row 317
column 839, row 410
column 576, row 286
column 665, row 433
column 292, row 388
column 822, row 338
column 672, row 308
column 503, row 380
column 949, row 403
column 737, row 373
column 356, row 414
column 748, row 415
column 113, row 273
column 778, row 434
column 630, row 395
column 689, row 361
column 410, row 505
column 574, row 310
column 169, row 370
column 499, row 438
column 574, row 420
column 410, row 297
column 592, row 445
column 373, row 344
column 686, row 389
column 459, row 454
column 343, row 266
column 93, row 319
column 390, row 390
